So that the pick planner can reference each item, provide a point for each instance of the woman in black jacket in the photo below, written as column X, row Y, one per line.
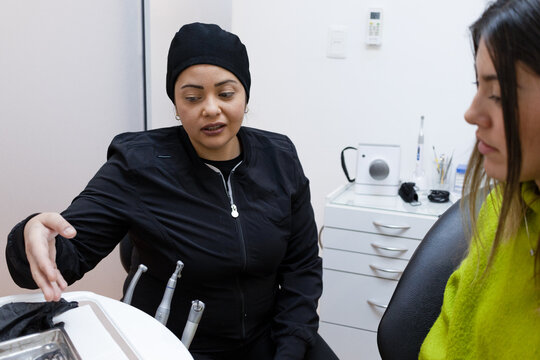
column 231, row 202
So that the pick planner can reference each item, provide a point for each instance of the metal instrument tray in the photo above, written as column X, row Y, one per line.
column 52, row 344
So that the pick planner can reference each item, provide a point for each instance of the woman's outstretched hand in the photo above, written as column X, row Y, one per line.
column 39, row 240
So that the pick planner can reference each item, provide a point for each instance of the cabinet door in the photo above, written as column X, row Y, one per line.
column 349, row 343
column 378, row 221
column 387, row 268
column 368, row 243
column 354, row 300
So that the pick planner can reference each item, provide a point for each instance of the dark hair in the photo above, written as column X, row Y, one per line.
column 510, row 30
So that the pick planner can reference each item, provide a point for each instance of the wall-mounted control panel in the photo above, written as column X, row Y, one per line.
column 374, row 27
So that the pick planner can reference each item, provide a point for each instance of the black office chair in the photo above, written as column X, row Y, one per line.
column 417, row 300
column 126, row 252
column 129, row 258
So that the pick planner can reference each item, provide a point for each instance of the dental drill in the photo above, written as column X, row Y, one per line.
column 129, row 293
column 162, row 313
column 195, row 314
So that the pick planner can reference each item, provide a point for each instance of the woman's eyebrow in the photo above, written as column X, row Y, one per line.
column 224, row 82
column 490, row 77
column 192, row 86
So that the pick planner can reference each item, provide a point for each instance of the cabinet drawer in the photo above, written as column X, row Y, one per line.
column 378, row 221
column 349, row 343
column 371, row 265
column 352, row 300
column 369, row 243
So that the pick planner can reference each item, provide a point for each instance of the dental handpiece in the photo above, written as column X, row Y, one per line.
column 195, row 314
column 133, row 283
column 162, row 313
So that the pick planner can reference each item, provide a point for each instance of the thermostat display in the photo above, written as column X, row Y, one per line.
column 374, row 28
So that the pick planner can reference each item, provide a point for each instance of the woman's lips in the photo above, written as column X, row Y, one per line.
column 485, row 148
column 213, row 129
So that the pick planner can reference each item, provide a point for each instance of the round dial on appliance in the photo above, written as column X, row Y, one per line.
column 378, row 169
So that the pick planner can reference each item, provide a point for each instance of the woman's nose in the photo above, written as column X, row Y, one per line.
column 476, row 114
column 469, row 114
column 211, row 107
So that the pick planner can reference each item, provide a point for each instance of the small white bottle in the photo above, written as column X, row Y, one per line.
column 460, row 178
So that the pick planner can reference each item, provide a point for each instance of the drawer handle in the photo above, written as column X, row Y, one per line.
column 400, row 227
column 377, row 246
column 393, row 271
column 377, row 304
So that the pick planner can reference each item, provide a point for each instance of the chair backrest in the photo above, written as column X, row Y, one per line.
column 416, row 302
column 126, row 250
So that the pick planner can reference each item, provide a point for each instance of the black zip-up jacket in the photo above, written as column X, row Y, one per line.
column 249, row 245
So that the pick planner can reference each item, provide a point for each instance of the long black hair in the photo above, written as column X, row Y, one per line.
column 510, row 30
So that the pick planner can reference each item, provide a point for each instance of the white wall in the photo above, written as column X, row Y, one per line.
column 374, row 95
column 71, row 78
column 163, row 19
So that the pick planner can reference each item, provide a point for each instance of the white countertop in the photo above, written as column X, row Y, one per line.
column 346, row 196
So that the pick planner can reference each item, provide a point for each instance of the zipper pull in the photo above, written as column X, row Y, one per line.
column 234, row 211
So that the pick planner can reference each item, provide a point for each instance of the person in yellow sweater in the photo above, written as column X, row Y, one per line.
column 491, row 307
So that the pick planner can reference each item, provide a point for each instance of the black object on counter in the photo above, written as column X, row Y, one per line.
column 439, row 196
column 24, row 318
column 408, row 193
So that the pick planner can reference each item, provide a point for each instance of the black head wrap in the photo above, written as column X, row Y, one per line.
column 199, row 43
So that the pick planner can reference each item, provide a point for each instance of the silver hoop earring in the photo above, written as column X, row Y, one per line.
column 177, row 117
column 246, row 110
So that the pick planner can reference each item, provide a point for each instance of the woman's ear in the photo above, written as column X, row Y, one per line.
column 175, row 112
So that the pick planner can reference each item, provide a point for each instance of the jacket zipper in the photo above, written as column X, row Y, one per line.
column 235, row 214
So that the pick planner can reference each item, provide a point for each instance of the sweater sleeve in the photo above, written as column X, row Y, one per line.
column 98, row 214
column 300, row 277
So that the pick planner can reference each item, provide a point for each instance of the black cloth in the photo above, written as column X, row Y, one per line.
column 25, row 318
column 407, row 192
column 256, row 271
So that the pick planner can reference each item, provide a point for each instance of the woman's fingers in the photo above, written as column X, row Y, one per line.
column 43, row 270
column 42, row 280
column 57, row 291
column 39, row 235
column 62, row 283
column 57, row 224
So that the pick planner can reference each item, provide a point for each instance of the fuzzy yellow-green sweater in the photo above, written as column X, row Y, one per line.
column 497, row 316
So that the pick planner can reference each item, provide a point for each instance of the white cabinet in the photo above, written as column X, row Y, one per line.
column 367, row 242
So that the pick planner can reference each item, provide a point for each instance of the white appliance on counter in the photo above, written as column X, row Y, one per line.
column 377, row 171
column 377, row 168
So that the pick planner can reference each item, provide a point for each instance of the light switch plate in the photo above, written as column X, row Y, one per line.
column 337, row 42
